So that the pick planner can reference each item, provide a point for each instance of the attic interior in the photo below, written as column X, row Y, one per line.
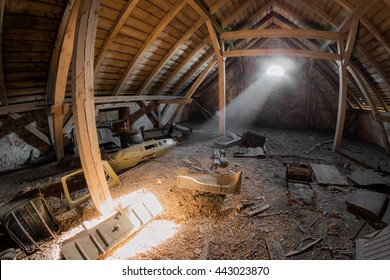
column 194, row 129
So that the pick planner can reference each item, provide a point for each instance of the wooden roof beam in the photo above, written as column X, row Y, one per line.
column 169, row 55
column 203, row 11
column 318, row 11
column 215, row 7
column 363, row 7
column 84, row 109
column 3, row 93
column 59, row 70
column 287, row 52
column 296, row 33
column 144, row 48
column 350, row 41
column 248, row 23
column 118, row 24
column 237, row 13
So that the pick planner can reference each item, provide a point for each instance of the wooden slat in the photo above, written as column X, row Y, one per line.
column 193, row 88
column 32, row 129
column 118, row 24
column 288, row 52
column 3, row 93
column 153, row 36
column 183, row 64
column 358, row 77
column 22, row 107
column 59, row 69
column 342, row 107
column 271, row 33
column 168, row 56
column 256, row 16
column 84, row 109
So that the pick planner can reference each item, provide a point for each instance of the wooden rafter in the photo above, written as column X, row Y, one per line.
column 202, row 10
column 248, row 24
column 318, row 11
column 367, row 24
column 84, row 109
column 363, row 7
column 3, row 93
column 358, row 76
column 295, row 33
column 350, row 41
column 168, row 56
column 118, row 24
column 183, row 64
column 193, row 88
column 287, row 52
column 58, row 75
column 144, row 48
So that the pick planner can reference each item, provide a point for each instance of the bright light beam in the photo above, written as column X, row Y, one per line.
column 275, row 70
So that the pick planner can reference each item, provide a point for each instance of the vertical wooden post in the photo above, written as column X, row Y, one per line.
column 3, row 93
column 342, row 107
column 222, row 91
column 84, row 108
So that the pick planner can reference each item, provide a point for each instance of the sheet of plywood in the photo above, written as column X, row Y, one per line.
column 328, row 175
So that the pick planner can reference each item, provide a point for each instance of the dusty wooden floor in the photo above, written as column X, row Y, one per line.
column 199, row 226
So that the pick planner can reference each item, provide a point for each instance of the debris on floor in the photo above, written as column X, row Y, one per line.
column 275, row 250
column 221, row 184
column 298, row 173
column 255, row 145
column 227, row 141
column 374, row 246
column 369, row 178
column 219, row 158
column 328, row 175
column 367, row 205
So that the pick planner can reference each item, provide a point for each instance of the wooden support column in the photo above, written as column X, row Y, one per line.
column 59, row 70
column 3, row 93
column 84, row 107
column 342, row 107
column 218, row 49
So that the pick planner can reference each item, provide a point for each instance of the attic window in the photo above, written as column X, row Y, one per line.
column 275, row 70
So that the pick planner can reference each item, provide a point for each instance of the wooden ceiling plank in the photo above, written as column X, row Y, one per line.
column 58, row 75
column 153, row 36
column 215, row 7
column 318, row 11
column 296, row 33
column 183, row 64
column 191, row 73
column 288, row 52
column 193, row 88
column 3, row 92
column 168, row 56
column 84, row 109
column 358, row 77
column 258, row 14
column 356, row 13
column 237, row 13
column 118, row 24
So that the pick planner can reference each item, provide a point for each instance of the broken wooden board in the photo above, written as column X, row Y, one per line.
column 367, row 205
column 275, row 250
column 375, row 246
column 368, row 178
column 328, row 175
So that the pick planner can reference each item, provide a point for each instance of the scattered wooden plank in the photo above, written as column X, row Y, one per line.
column 258, row 210
column 328, row 175
column 302, row 248
column 316, row 146
column 275, row 250
column 367, row 178
column 31, row 128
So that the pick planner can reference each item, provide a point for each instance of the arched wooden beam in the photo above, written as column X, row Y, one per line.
column 84, row 109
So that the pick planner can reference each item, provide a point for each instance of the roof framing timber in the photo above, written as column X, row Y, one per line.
column 144, row 48
column 3, row 93
column 287, row 52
